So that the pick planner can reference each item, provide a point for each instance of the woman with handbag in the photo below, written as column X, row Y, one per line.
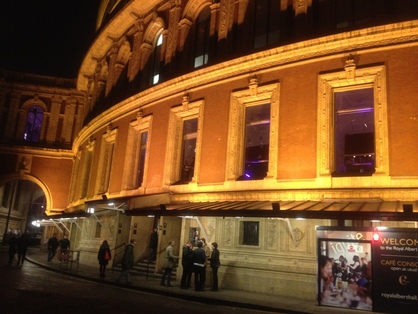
column 104, row 257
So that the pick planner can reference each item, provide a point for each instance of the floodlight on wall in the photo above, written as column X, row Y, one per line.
column 104, row 197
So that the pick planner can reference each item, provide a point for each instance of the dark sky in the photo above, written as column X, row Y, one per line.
column 46, row 37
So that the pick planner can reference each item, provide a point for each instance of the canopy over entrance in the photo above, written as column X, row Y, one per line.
column 370, row 209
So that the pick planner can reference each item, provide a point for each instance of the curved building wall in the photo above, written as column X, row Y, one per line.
column 266, row 124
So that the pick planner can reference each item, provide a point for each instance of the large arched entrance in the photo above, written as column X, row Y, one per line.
column 21, row 202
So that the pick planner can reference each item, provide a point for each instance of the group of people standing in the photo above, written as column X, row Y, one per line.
column 53, row 244
column 193, row 261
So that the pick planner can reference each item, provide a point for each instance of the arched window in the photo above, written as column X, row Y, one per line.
column 33, row 125
column 201, row 38
column 156, row 61
column 267, row 23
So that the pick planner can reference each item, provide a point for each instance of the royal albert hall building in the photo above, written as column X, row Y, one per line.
column 245, row 122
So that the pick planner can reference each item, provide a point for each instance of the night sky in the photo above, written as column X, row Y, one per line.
column 46, row 37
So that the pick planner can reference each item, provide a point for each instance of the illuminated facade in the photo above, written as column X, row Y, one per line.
column 198, row 113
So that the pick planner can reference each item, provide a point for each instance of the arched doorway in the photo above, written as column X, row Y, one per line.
column 21, row 202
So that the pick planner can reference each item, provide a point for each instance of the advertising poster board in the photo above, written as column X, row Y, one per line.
column 389, row 282
column 395, row 260
column 344, row 268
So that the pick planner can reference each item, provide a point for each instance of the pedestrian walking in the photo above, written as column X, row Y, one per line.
column 12, row 248
column 153, row 244
column 170, row 264
column 52, row 246
column 22, row 247
column 127, row 262
column 104, row 256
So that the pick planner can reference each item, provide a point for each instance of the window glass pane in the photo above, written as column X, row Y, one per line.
column 257, row 140
column 354, row 132
column 200, row 60
column 188, row 149
column 141, row 161
column 156, row 60
column 201, row 42
column 98, row 230
column 33, row 124
column 267, row 22
column 250, row 232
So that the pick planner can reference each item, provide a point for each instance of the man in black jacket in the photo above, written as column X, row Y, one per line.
column 187, row 263
column 199, row 267
column 52, row 246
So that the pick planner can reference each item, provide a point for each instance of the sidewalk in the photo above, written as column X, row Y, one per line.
column 239, row 299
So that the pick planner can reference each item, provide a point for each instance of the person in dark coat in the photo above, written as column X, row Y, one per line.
column 199, row 267
column 12, row 248
column 22, row 247
column 52, row 245
column 187, row 263
column 153, row 244
column 64, row 244
column 104, row 256
column 127, row 262
column 215, row 264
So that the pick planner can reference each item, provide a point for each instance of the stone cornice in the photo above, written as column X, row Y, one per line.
column 37, row 152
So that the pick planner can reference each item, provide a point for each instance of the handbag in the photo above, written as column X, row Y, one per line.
column 107, row 256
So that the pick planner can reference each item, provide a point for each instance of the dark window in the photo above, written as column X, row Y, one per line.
column 141, row 160
column 188, row 150
column 267, row 22
column 33, row 125
column 257, row 140
column 8, row 187
column 86, row 174
column 353, row 12
column 201, row 42
column 354, row 132
column 250, row 232
column 98, row 230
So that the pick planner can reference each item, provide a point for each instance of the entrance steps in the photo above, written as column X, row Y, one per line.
column 144, row 268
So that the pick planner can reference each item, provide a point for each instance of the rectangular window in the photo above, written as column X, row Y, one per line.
column 250, row 232
column 98, row 230
column 141, row 158
column 33, row 125
column 183, row 144
column 256, row 142
column 354, row 132
column 85, row 177
column 6, row 195
column 267, row 22
column 249, row 153
column 352, row 12
column 188, row 149
column 105, row 161
column 200, row 60
column 201, row 40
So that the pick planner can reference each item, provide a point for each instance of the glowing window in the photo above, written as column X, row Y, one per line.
column 33, row 125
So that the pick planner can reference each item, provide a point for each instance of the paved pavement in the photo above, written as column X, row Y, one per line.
column 239, row 299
